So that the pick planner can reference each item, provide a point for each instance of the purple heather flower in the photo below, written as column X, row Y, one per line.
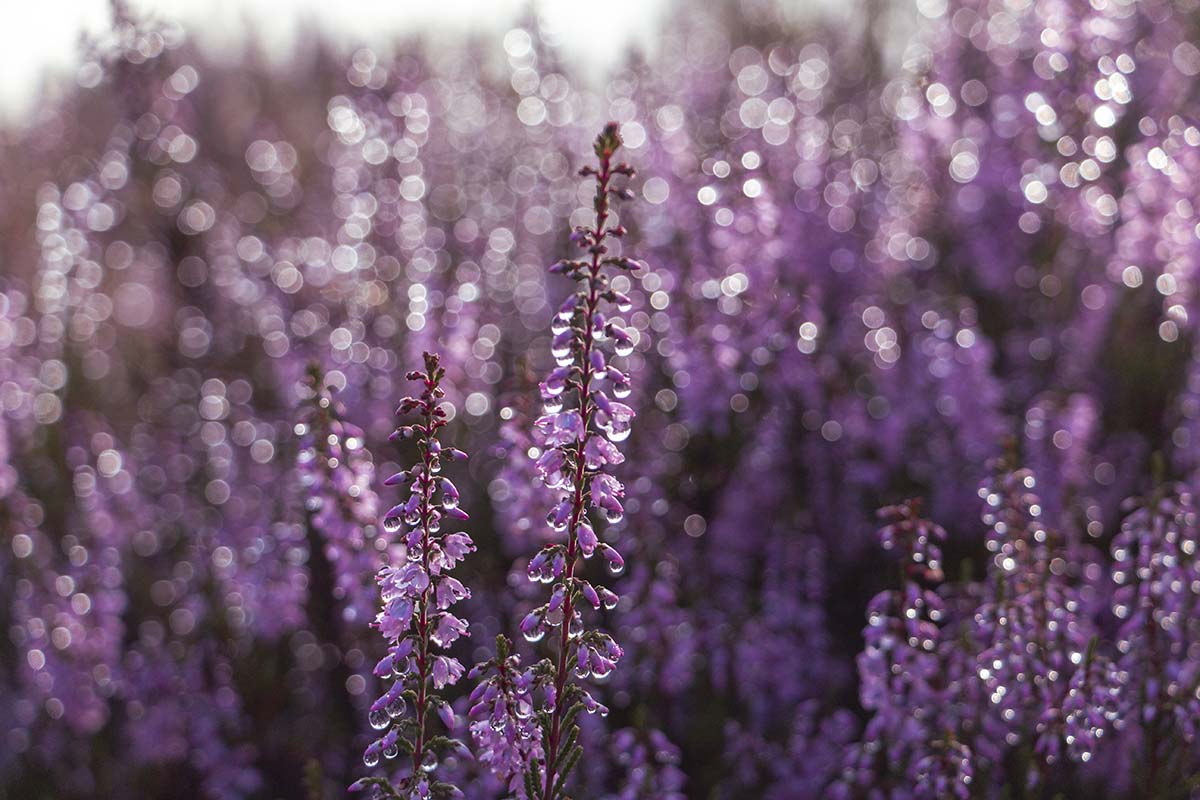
column 416, row 595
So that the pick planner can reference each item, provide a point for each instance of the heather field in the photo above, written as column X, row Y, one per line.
column 806, row 407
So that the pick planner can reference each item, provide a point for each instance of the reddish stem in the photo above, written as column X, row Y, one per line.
column 423, row 619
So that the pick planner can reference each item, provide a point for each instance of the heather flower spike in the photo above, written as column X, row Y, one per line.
column 578, row 435
column 336, row 471
column 416, row 597
column 902, row 677
column 502, row 720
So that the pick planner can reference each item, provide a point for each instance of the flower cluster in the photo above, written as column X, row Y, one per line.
column 336, row 471
column 1157, row 604
column 417, row 593
column 502, row 721
column 903, row 680
column 578, row 443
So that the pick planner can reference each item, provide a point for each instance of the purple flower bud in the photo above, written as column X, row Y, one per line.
column 530, row 623
column 557, row 598
column 385, row 666
column 586, row 537
column 589, row 594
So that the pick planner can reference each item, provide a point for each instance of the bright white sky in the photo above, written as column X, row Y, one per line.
column 39, row 38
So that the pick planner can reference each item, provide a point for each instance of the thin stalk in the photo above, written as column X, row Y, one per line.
column 579, row 497
column 422, row 703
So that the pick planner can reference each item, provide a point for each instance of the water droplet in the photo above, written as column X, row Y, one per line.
column 616, row 435
column 371, row 757
column 379, row 720
column 623, row 348
column 429, row 761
